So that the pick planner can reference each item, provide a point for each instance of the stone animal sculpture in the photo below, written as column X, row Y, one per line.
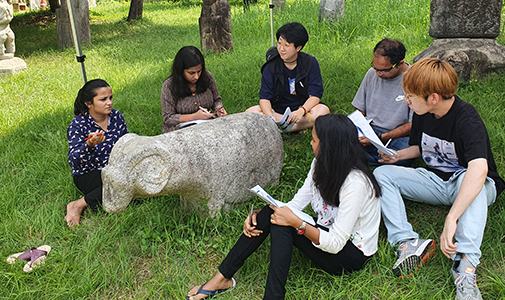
column 217, row 161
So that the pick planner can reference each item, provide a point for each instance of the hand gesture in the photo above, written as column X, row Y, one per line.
column 202, row 115
column 250, row 231
column 284, row 216
column 221, row 112
column 95, row 138
column 446, row 239
column 387, row 159
column 364, row 141
column 296, row 116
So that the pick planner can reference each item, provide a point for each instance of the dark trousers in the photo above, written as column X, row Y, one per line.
column 282, row 240
column 90, row 184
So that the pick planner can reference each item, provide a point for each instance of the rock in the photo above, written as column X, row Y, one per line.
column 468, row 56
column 465, row 32
column 465, row 19
column 216, row 161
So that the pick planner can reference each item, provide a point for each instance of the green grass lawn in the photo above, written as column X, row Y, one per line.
column 154, row 250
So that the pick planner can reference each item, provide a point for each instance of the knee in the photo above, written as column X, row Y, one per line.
column 381, row 173
column 319, row 110
column 255, row 109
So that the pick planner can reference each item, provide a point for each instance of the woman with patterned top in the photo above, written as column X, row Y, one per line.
column 91, row 135
column 344, row 195
column 190, row 93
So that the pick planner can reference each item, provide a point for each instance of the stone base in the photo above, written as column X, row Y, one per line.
column 11, row 66
column 468, row 57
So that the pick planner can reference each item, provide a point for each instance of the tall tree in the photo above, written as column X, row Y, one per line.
column 63, row 28
column 53, row 5
column 136, row 8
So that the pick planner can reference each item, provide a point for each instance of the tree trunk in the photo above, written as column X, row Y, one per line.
column 63, row 28
column 215, row 26
column 136, row 8
column 331, row 10
column 53, row 5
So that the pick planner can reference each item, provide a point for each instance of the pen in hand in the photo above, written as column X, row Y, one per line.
column 205, row 110
column 250, row 215
column 90, row 137
column 387, row 144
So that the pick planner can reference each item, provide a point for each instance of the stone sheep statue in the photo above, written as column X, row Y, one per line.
column 216, row 161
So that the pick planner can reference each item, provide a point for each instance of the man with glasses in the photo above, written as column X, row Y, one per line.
column 380, row 98
column 460, row 172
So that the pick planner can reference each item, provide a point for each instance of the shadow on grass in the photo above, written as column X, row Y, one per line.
column 36, row 30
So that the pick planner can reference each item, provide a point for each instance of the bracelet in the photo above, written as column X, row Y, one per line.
column 305, row 111
column 309, row 117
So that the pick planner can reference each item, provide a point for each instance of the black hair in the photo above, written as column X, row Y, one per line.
column 339, row 153
column 293, row 33
column 187, row 57
column 86, row 94
column 393, row 49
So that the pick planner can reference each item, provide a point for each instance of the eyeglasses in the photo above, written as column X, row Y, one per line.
column 383, row 71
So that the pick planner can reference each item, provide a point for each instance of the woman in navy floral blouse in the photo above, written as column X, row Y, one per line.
column 91, row 135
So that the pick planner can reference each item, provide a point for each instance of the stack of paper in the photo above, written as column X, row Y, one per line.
column 364, row 128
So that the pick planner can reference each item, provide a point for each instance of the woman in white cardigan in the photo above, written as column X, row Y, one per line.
column 342, row 192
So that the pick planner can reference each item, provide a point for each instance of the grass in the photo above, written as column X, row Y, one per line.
column 154, row 250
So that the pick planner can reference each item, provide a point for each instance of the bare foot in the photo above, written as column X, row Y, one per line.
column 219, row 282
column 74, row 210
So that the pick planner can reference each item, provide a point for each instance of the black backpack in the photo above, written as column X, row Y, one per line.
column 271, row 54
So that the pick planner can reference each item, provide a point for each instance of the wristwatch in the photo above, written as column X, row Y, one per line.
column 301, row 230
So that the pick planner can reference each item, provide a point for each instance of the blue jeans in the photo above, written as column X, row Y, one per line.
column 423, row 186
column 396, row 144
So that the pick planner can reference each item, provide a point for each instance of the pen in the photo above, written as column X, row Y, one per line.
column 387, row 144
column 250, row 215
column 204, row 109
column 89, row 137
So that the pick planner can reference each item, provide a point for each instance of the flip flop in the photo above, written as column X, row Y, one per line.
column 38, row 257
column 21, row 255
column 212, row 294
column 35, row 256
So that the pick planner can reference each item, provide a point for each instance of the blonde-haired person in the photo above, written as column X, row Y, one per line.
column 460, row 172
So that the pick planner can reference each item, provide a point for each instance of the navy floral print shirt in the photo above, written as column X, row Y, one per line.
column 83, row 159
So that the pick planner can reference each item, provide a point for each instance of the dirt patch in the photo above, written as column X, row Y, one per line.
column 39, row 19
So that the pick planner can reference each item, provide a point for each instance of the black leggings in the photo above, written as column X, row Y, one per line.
column 90, row 184
column 282, row 240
